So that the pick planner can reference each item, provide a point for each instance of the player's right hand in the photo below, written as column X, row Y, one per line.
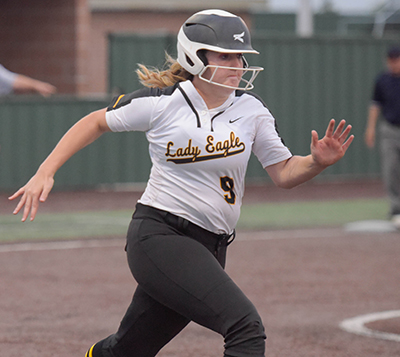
column 34, row 192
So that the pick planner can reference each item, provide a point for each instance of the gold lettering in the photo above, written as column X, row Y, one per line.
column 189, row 150
column 210, row 145
column 168, row 153
column 225, row 146
column 219, row 149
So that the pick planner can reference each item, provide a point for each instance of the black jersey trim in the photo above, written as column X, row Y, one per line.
column 212, row 119
column 239, row 93
column 190, row 105
column 125, row 99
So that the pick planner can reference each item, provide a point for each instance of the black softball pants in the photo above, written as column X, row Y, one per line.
column 180, row 275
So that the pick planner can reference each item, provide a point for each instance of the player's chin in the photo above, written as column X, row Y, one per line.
column 232, row 81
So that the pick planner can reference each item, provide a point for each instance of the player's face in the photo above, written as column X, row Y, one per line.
column 229, row 77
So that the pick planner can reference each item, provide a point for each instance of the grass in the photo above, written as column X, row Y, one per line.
column 65, row 225
column 257, row 217
column 311, row 214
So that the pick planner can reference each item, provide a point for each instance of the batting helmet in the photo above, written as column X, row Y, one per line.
column 213, row 30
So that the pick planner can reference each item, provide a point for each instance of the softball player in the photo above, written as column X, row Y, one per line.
column 201, row 124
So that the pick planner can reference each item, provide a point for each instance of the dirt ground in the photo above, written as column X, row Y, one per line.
column 57, row 299
column 63, row 201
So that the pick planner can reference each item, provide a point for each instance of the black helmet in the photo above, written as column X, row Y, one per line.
column 213, row 30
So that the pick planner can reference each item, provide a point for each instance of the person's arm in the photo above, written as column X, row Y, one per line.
column 24, row 84
column 7, row 79
column 370, row 130
column 325, row 152
column 84, row 132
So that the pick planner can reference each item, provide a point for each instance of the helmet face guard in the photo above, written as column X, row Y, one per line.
column 247, row 83
column 218, row 31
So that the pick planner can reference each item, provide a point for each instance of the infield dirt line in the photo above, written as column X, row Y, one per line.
column 357, row 325
column 115, row 242
column 60, row 245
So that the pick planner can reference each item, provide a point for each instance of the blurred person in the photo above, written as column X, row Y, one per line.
column 11, row 82
column 386, row 105
column 202, row 123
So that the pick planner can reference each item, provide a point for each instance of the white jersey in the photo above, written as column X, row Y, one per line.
column 199, row 156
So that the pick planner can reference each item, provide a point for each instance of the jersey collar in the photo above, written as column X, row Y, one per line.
column 197, row 99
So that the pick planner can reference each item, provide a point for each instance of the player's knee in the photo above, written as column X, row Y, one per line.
column 246, row 337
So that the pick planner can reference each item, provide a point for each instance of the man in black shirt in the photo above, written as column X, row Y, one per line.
column 386, row 101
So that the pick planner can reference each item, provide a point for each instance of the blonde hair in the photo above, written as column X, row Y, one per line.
column 156, row 78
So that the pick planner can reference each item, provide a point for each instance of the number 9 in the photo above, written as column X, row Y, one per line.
column 227, row 185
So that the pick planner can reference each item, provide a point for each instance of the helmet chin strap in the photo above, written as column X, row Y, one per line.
column 247, row 84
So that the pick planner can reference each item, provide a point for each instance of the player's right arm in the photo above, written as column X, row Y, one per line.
column 84, row 132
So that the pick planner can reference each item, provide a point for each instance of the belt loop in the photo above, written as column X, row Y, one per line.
column 224, row 241
column 231, row 237
column 183, row 223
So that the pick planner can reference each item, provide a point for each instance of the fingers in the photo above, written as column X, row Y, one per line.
column 27, row 209
column 33, row 209
column 46, row 190
column 346, row 145
column 30, row 203
column 20, row 203
column 345, row 133
column 340, row 133
column 314, row 138
column 330, row 128
column 339, row 129
column 31, row 197
column 16, row 194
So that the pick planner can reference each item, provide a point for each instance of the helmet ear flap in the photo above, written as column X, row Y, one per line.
column 188, row 58
column 202, row 55
column 189, row 61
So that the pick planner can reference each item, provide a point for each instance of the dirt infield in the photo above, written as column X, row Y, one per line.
column 62, row 201
column 59, row 298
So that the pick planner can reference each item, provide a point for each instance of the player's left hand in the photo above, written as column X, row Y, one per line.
column 332, row 147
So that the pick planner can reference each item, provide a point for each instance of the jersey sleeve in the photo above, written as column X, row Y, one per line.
column 131, row 112
column 7, row 79
column 268, row 145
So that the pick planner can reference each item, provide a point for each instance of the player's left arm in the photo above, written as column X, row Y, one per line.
column 324, row 152
column 84, row 132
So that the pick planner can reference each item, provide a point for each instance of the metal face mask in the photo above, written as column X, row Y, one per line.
column 248, row 76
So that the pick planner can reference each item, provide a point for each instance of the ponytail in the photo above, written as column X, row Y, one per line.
column 156, row 78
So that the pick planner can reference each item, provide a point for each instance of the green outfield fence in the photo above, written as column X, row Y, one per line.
column 306, row 82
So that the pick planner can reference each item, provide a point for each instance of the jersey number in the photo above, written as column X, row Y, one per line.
column 227, row 185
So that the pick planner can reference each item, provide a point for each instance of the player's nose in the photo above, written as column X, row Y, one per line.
column 237, row 61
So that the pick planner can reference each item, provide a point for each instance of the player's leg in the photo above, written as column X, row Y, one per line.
column 146, row 327
column 183, row 275
column 184, row 279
